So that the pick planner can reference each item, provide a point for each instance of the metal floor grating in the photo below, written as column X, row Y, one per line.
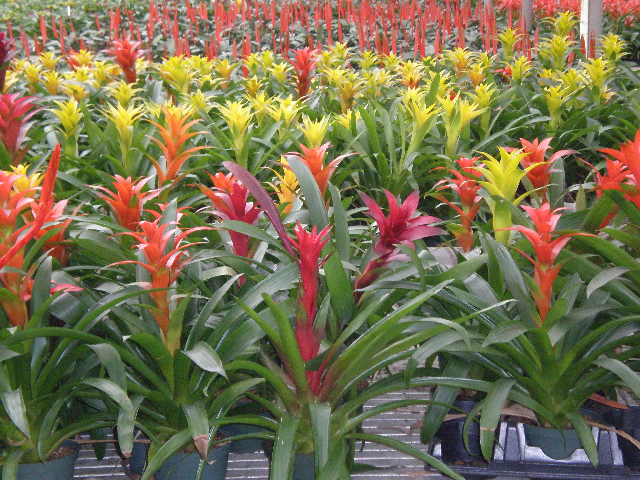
column 396, row 424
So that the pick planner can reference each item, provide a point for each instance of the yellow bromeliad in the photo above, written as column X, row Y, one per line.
column 52, row 81
column 345, row 119
column 177, row 73
column 69, row 115
column 25, row 182
column 49, row 60
column 286, row 188
column 238, row 117
column 104, row 72
column 124, row 119
column 502, row 178
column 284, row 109
column 123, row 92
column 315, row 131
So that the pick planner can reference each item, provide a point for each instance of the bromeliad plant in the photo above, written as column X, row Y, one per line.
column 44, row 375
column 550, row 349
column 319, row 379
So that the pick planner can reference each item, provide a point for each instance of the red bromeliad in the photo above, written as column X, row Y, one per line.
column 55, row 245
column 174, row 138
column 465, row 185
column 546, row 251
column 629, row 156
column 165, row 254
column 126, row 53
column 313, row 158
column 127, row 201
column 304, row 63
column 229, row 198
column 15, row 112
column 308, row 247
column 622, row 174
column 401, row 227
column 16, row 285
column 540, row 173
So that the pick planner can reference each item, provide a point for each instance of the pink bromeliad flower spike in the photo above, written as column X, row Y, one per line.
column 401, row 227
column 308, row 247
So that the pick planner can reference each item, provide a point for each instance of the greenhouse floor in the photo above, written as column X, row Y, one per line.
column 400, row 424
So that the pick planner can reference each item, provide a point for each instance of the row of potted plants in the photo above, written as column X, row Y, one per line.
column 182, row 235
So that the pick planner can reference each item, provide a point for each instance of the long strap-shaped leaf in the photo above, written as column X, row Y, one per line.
column 290, row 350
column 320, row 414
column 15, row 407
column 263, row 198
column 491, row 412
column 284, row 448
column 585, row 435
column 10, row 465
column 126, row 414
column 408, row 449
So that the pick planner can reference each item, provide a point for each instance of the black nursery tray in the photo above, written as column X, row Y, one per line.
column 514, row 458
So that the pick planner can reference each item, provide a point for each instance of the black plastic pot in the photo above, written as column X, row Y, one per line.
column 304, row 464
column 628, row 421
column 181, row 466
column 247, row 445
column 451, row 438
column 58, row 469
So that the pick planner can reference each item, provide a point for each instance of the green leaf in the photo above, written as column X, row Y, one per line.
column 585, row 435
column 112, row 362
column 320, row 414
column 198, row 328
column 514, row 281
column 284, row 448
column 340, row 288
column 312, row 196
column 126, row 411
column 291, row 351
column 408, row 449
column 10, row 465
column 443, row 396
column 624, row 372
column 158, row 352
column 505, row 332
column 340, row 225
column 335, row 464
column 41, row 291
column 605, row 277
column 14, row 406
column 491, row 411
column 206, row 358
column 49, row 423
column 597, row 213
column 250, row 230
column 198, row 426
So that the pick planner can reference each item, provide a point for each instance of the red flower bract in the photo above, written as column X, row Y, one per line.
column 308, row 247
column 546, row 252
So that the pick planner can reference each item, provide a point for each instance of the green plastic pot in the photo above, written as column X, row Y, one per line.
column 555, row 444
column 58, row 469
